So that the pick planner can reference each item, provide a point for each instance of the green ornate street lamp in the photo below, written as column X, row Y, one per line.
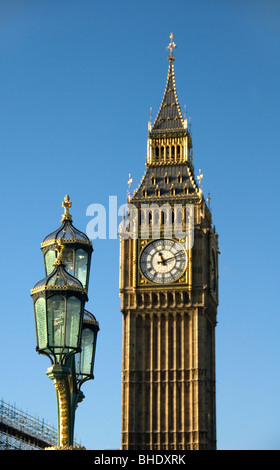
column 85, row 358
column 77, row 247
column 65, row 331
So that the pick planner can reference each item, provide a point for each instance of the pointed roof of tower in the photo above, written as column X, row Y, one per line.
column 169, row 116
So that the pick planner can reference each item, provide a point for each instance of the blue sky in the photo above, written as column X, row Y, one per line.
column 78, row 79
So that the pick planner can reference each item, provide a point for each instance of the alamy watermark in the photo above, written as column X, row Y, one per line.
column 147, row 221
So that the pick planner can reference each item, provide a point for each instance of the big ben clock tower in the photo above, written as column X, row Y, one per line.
column 169, row 295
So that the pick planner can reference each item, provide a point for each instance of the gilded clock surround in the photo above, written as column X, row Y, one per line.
column 143, row 281
column 168, row 365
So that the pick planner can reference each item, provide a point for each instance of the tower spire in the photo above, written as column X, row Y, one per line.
column 169, row 115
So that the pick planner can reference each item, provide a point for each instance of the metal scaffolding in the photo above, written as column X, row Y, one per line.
column 21, row 431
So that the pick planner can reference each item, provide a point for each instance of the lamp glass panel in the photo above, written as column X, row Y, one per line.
column 56, row 320
column 67, row 258
column 41, row 323
column 49, row 261
column 81, row 264
column 87, row 345
column 73, row 320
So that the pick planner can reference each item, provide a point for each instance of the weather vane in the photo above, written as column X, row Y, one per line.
column 171, row 46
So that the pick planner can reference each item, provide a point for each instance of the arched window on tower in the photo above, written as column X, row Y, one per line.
column 167, row 151
column 178, row 152
column 170, row 297
column 172, row 190
column 139, row 300
column 157, row 152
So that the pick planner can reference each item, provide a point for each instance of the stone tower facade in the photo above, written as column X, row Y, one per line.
column 169, row 295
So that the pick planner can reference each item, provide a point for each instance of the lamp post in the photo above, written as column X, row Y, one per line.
column 65, row 331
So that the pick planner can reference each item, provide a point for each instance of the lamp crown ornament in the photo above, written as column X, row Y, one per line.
column 66, row 204
column 59, row 247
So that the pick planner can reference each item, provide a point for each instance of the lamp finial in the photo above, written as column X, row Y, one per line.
column 66, row 204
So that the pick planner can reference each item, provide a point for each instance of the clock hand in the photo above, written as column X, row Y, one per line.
column 169, row 259
column 162, row 258
column 174, row 256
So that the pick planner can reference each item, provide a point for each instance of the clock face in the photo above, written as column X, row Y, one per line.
column 163, row 261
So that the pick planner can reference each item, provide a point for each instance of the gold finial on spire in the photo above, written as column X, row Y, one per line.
column 199, row 177
column 129, row 181
column 208, row 201
column 59, row 247
column 171, row 46
column 66, row 204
